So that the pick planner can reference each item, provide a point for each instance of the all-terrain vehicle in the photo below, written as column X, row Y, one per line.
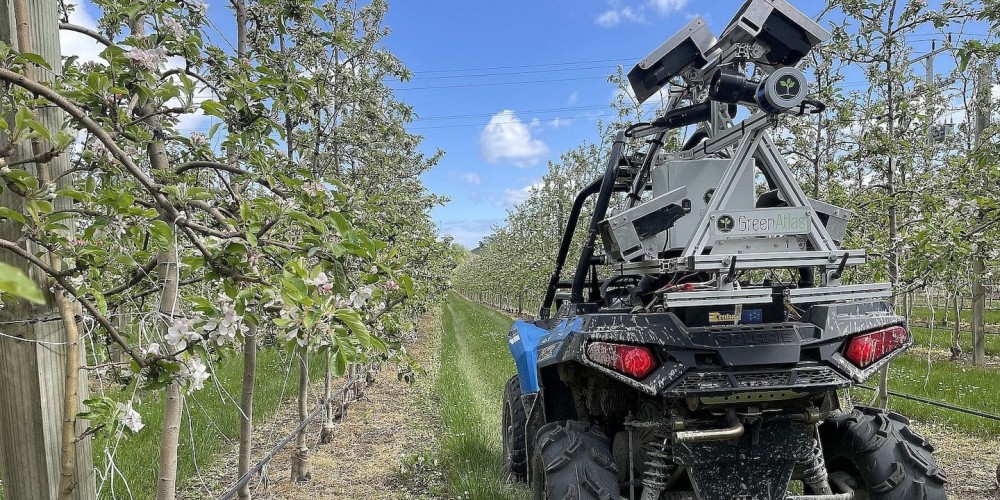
column 699, row 354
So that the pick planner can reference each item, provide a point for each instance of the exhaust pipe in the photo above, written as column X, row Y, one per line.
column 734, row 431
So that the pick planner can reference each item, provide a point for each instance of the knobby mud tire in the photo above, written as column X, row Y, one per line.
column 883, row 459
column 573, row 460
column 515, row 450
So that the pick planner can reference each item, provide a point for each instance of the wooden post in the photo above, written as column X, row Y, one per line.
column 32, row 374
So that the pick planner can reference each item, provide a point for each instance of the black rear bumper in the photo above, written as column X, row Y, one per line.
column 781, row 359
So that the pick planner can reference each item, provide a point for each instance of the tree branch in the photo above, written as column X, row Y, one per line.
column 164, row 111
column 191, row 165
column 102, row 135
column 86, row 31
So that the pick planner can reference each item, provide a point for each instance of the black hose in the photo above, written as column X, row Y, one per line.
column 688, row 115
column 600, row 211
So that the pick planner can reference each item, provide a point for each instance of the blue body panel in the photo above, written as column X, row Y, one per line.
column 523, row 341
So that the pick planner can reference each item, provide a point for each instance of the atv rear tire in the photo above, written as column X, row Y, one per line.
column 573, row 460
column 515, row 451
column 877, row 454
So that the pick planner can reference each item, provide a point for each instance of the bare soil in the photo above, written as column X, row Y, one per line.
column 970, row 461
column 385, row 447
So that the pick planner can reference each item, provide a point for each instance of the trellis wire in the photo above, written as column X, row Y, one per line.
column 340, row 393
column 934, row 402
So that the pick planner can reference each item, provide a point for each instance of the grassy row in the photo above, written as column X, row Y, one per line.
column 951, row 382
column 475, row 365
column 940, row 339
column 924, row 314
column 210, row 422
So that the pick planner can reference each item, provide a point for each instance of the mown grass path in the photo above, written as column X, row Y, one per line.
column 475, row 365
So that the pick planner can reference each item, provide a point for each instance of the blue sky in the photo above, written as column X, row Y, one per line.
column 505, row 86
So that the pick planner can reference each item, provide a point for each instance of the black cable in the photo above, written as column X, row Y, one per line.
column 632, row 127
column 817, row 107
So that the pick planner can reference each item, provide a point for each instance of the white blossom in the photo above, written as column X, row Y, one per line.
column 150, row 350
column 225, row 329
column 151, row 59
column 175, row 27
column 129, row 417
column 200, row 5
column 180, row 332
column 194, row 371
column 360, row 297
column 198, row 139
column 314, row 188
column 321, row 282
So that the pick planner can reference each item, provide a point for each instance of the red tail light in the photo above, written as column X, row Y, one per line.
column 865, row 349
column 634, row 361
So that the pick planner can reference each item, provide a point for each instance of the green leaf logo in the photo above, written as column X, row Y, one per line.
column 790, row 85
column 726, row 223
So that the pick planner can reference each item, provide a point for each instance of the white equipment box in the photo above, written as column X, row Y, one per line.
column 701, row 177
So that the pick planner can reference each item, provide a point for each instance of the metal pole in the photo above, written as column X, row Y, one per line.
column 983, row 97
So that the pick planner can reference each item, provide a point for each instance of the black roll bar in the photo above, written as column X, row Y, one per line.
column 600, row 211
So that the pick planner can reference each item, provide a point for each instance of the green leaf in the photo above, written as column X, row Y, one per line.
column 341, row 222
column 18, row 284
column 339, row 362
column 214, row 108
column 161, row 232
column 35, row 58
column 407, row 283
column 353, row 320
column 6, row 213
column 74, row 194
column 23, row 114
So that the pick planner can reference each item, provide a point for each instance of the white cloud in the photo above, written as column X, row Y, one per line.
column 558, row 123
column 78, row 44
column 608, row 19
column 637, row 14
column 514, row 197
column 506, row 137
column 575, row 96
column 472, row 178
column 667, row 6
column 469, row 232
column 612, row 17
